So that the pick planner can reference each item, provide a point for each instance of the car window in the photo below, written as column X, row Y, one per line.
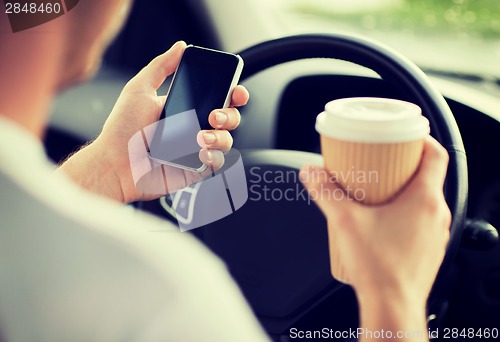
column 461, row 36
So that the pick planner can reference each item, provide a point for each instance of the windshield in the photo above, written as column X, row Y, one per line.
column 457, row 36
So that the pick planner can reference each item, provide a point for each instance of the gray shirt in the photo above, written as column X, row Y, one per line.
column 78, row 267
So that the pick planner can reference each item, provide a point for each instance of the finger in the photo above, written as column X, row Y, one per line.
column 432, row 170
column 215, row 140
column 151, row 77
column 214, row 159
column 240, row 96
column 226, row 118
column 324, row 191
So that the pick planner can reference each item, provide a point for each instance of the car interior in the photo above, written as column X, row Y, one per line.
column 277, row 250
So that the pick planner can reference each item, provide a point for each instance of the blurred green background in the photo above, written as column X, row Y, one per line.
column 480, row 18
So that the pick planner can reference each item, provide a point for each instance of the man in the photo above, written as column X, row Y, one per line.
column 76, row 266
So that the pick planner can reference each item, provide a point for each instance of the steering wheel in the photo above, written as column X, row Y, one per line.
column 268, row 278
column 394, row 68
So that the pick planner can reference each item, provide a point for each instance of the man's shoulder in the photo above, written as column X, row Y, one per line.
column 66, row 255
column 54, row 206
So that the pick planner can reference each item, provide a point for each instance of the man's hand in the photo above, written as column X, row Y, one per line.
column 392, row 253
column 104, row 167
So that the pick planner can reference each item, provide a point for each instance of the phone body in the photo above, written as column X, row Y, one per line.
column 203, row 81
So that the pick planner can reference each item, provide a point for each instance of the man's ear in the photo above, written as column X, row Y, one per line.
column 26, row 14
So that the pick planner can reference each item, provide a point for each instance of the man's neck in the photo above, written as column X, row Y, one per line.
column 27, row 84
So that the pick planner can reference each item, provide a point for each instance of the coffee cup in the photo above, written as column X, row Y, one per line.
column 371, row 148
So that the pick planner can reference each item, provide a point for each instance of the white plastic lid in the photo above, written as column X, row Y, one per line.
column 370, row 119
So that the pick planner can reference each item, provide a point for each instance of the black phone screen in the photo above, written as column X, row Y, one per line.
column 201, row 84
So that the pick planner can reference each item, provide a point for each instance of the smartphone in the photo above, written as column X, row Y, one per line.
column 203, row 81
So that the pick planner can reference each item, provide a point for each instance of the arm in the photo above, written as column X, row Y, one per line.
column 392, row 252
column 105, row 166
column 401, row 316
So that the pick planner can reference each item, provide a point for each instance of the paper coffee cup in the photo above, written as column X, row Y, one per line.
column 371, row 147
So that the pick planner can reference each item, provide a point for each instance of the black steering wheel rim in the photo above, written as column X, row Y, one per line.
column 391, row 66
